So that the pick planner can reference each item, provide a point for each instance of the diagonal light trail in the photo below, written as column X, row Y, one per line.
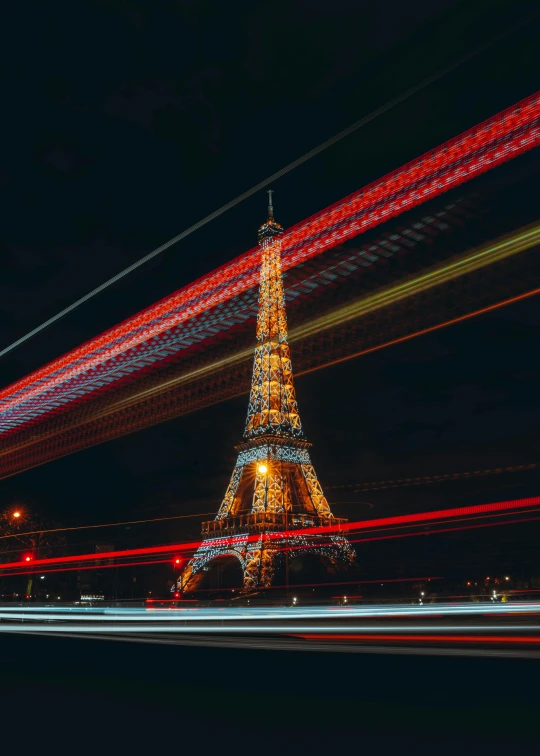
column 482, row 148
column 513, row 244
column 238, row 358
column 275, row 176
column 520, row 241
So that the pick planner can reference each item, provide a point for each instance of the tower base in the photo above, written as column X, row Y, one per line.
column 259, row 556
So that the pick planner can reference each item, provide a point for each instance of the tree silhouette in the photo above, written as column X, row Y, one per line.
column 26, row 533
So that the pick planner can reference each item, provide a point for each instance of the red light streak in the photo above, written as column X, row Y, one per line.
column 421, row 638
column 388, row 522
column 441, row 514
column 445, row 530
column 491, row 143
column 88, row 567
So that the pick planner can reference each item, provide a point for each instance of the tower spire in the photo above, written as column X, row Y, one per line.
column 270, row 205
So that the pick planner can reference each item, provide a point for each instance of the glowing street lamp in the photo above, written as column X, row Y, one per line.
column 16, row 514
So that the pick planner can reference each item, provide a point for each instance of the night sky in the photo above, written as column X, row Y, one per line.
column 126, row 122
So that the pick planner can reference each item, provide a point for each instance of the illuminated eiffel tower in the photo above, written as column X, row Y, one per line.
column 274, row 489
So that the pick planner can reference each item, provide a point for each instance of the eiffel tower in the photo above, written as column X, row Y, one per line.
column 274, row 487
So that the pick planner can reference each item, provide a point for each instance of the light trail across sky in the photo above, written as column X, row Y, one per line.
column 497, row 140
column 493, row 252
column 519, row 241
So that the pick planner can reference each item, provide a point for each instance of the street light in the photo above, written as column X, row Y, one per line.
column 16, row 515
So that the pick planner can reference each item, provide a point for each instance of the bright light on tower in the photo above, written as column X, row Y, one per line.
column 262, row 469
column 16, row 514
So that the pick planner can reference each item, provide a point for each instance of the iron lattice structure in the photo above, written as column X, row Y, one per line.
column 273, row 487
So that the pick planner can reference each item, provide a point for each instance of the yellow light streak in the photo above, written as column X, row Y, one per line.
column 522, row 240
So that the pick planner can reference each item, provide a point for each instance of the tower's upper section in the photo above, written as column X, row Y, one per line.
column 271, row 319
column 272, row 402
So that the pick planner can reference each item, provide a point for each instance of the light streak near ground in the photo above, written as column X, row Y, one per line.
column 365, row 486
column 192, row 615
column 445, row 515
column 369, row 539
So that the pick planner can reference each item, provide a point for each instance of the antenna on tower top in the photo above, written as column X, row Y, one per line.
column 270, row 205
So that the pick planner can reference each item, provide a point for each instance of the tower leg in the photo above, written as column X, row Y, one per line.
column 259, row 566
column 195, row 570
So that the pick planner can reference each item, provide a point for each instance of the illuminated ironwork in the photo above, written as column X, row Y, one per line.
column 273, row 479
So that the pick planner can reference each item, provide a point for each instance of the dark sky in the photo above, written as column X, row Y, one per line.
column 128, row 121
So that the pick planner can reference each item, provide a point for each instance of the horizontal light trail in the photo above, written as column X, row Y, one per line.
column 403, row 638
column 497, row 140
column 444, row 530
column 342, row 528
column 82, row 568
column 441, row 514
column 192, row 614
column 289, row 629
column 297, row 548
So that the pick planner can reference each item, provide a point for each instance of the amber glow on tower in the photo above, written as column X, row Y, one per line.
column 273, row 479
column 272, row 402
